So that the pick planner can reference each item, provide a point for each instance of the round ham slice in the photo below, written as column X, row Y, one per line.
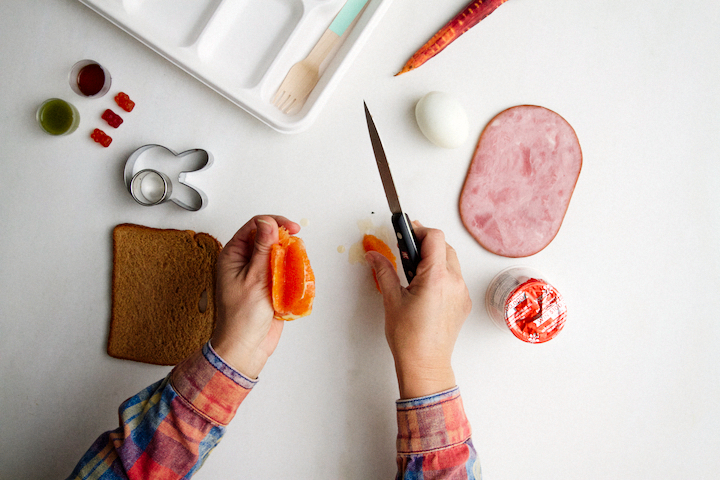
column 520, row 181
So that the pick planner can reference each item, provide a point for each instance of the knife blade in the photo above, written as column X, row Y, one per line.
column 408, row 244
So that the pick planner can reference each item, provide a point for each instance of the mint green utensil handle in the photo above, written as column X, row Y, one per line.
column 347, row 15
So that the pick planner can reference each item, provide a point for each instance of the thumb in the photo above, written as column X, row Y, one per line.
column 385, row 274
column 265, row 237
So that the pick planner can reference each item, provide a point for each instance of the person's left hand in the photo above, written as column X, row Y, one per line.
column 246, row 333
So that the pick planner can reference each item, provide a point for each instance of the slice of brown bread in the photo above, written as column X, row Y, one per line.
column 163, row 293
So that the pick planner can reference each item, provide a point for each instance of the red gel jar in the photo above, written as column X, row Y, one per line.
column 522, row 302
column 89, row 79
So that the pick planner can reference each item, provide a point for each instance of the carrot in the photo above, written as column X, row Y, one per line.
column 464, row 21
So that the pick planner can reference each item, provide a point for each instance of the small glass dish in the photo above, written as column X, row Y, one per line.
column 89, row 79
column 58, row 117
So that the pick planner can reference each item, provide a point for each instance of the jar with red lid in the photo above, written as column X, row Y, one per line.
column 521, row 301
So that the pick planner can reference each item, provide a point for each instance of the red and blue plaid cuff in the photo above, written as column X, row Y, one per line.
column 431, row 423
column 210, row 386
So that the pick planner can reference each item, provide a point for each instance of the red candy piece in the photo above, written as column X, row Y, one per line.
column 124, row 102
column 112, row 118
column 101, row 137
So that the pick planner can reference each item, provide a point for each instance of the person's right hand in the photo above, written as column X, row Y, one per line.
column 422, row 321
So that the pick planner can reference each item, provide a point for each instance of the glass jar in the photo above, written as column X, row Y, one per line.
column 521, row 301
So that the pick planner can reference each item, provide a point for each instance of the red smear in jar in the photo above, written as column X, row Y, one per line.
column 91, row 79
column 535, row 312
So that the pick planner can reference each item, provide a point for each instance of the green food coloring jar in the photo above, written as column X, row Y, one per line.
column 58, row 117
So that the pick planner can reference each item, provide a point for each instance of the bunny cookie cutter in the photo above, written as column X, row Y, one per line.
column 155, row 174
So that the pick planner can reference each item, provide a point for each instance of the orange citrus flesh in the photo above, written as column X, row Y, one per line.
column 371, row 242
column 293, row 281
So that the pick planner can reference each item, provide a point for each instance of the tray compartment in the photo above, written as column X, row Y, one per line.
column 245, row 36
column 178, row 25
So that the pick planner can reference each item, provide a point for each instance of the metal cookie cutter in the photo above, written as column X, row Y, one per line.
column 150, row 170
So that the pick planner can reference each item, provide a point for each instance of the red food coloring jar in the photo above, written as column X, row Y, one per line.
column 89, row 79
column 522, row 302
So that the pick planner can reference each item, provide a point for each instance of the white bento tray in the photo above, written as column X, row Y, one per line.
column 243, row 49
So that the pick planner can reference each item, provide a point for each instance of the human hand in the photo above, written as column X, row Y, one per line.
column 422, row 321
column 246, row 333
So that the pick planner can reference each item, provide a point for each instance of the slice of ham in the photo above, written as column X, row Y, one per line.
column 520, row 181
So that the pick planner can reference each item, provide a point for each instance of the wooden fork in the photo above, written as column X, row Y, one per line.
column 304, row 75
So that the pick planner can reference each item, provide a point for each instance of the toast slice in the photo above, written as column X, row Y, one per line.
column 163, row 293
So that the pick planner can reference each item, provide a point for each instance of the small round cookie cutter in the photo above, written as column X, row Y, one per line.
column 150, row 170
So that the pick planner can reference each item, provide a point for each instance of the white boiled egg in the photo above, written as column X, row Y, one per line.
column 442, row 119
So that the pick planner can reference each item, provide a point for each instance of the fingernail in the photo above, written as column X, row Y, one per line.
column 263, row 226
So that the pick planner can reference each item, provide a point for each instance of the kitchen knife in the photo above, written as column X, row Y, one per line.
column 407, row 241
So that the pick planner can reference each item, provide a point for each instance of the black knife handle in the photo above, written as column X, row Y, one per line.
column 407, row 244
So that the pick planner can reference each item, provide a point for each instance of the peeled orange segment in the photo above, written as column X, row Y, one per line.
column 293, row 281
column 372, row 243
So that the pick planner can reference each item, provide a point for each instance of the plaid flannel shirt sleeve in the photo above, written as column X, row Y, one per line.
column 433, row 439
column 168, row 430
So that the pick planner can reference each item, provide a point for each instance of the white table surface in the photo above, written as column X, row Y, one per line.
column 629, row 389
